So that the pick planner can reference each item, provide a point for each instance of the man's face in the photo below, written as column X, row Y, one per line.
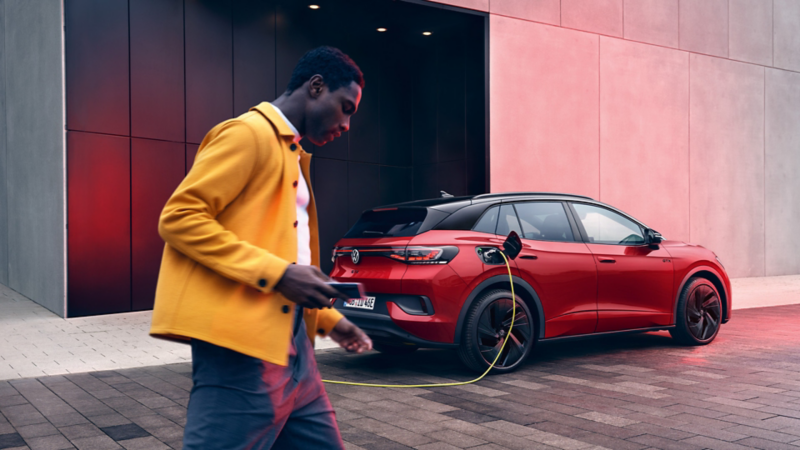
column 328, row 113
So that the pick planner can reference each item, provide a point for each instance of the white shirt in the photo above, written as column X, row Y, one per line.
column 303, row 198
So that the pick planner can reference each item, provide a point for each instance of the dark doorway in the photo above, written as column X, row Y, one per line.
column 146, row 79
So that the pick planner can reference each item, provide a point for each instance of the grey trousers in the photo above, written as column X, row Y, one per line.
column 241, row 402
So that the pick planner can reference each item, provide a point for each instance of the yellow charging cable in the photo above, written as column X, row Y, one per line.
column 461, row 383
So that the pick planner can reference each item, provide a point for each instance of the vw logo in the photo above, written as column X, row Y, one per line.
column 356, row 256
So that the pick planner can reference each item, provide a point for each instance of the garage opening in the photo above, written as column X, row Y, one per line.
column 146, row 79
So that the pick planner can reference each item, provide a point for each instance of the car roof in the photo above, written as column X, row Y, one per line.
column 451, row 203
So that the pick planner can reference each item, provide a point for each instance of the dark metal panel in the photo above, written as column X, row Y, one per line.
column 425, row 183
column 209, row 66
column 96, row 47
column 253, row 53
column 99, row 224
column 424, row 107
column 363, row 189
column 191, row 152
column 396, row 185
column 157, row 101
column 396, row 107
column 330, row 193
column 365, row 132
column 451, row 177
column 157, row 168
column 451, row 99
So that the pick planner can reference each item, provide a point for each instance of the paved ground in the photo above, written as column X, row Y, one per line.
column 632, row 392
column 35, row 342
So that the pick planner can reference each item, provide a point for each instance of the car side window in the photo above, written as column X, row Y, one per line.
column 604, row 226
column 544, row 221
column 507, row 221
column 488, row 222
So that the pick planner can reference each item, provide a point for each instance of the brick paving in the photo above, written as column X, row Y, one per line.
column 623, row 392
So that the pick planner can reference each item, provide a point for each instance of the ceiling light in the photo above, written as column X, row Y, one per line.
column 313, row 6
column 426, row 33
column 381, row 30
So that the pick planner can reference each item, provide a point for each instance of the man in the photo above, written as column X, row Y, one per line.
column 239, row 275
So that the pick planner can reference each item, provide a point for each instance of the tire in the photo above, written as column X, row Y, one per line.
column 484, row 327
column 699, row 313
column 388, row 349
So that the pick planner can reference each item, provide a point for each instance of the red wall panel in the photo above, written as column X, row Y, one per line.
column 157, row 168
column 98, row 224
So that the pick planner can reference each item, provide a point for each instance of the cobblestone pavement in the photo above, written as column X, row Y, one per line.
column 624, row 392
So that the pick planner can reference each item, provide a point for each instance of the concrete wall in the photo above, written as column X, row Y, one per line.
column 683, row 113
column 32, row 210
column 3, row 176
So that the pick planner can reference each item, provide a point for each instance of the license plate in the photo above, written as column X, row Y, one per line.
column 360, row 303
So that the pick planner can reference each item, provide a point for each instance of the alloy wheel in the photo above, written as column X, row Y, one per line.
column 703, row 312
column 493, row 327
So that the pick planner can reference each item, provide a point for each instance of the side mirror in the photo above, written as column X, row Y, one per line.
column 652, row 237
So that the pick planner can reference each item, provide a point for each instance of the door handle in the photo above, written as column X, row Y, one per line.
column 529, row 257
column 607, row 260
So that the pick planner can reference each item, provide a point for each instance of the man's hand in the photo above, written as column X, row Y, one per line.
column 305, row 285
column 350, row 337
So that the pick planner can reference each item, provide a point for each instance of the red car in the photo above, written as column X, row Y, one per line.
column 433, row 277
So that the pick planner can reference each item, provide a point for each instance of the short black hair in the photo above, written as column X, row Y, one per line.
column 336, row 68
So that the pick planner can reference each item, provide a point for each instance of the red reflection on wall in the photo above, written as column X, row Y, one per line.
column 98, row 224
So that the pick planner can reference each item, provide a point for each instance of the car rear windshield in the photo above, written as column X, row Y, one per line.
column 389, row 223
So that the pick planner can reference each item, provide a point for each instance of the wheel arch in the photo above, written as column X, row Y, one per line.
column 711, row 275
column 521, row 289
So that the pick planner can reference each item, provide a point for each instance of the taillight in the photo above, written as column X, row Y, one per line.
column 407, row 255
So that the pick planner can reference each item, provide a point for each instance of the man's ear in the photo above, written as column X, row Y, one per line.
column 315, row 86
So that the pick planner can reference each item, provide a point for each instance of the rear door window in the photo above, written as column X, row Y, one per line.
column 507, row 222
column 544, row 221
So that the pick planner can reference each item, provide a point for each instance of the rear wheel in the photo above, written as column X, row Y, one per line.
column 699, row 313
column 389, row 349
column 486, row 328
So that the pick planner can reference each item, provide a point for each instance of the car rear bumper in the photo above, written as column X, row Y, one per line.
column 383, row 323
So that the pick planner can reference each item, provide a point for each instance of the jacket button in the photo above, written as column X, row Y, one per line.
column 293, row 147
column 294, row 184
column 295, row 224
column 321, row 331
column 262, row 282
column 285, row 309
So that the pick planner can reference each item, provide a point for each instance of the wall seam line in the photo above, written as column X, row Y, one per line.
column 689, row 136
column 130, row 164
column 64, row 196
column 764, row 179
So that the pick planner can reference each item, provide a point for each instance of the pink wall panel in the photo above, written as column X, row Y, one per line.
column 596, row 16
column 782, row 165
column 544, row 108
column 652, row 21
column 704, row 26
column 644, row 133
column 751, row 31
column 727, row 162
column 480, row 5
column 547, row 11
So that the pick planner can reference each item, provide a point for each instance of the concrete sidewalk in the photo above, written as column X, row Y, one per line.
column 35, row 342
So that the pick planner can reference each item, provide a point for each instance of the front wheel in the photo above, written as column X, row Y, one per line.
column 486, row 329
column 699, row 313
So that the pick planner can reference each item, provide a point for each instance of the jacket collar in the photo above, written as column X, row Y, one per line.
column 268, row 111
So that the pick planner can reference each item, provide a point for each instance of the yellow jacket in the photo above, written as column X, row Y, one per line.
column 230, row 232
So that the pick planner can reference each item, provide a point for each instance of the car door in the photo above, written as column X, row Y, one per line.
column 560, row 267
column 634, row 288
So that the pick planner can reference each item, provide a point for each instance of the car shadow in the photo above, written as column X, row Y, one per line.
column 446, row 364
